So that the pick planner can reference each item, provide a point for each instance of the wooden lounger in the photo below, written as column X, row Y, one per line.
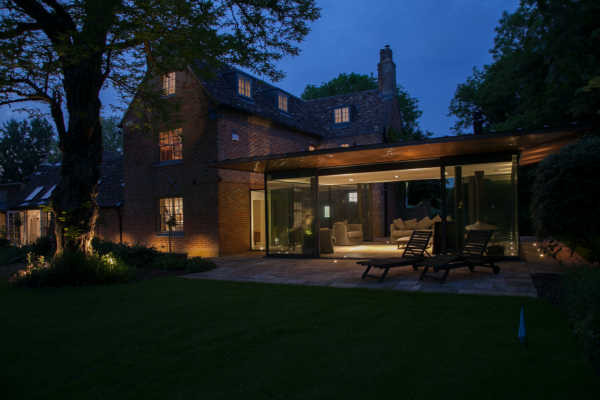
column 413, row 252
column 471, row 256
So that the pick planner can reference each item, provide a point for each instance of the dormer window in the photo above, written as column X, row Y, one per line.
column 341, row 115
column 283, row 101
column 168, row 83
column 244, row 86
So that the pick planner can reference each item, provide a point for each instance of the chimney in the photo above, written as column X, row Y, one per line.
column 477, row 122
column 386, row 73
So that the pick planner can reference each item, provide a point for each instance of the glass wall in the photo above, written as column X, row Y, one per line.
column 481, row 194
column 257, row 219
column 352, row 202
column 292, row 223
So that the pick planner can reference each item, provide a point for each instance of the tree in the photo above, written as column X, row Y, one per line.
column 22, row 146
column 64, row 52
column 354, row 83
column 565, row 198
column 112, row 139
column 546, row 59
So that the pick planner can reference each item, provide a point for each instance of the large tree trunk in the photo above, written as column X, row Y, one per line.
column 74, row 199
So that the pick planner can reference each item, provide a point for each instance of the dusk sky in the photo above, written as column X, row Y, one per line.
column 436, row 43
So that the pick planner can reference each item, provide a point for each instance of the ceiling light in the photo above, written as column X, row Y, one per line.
column 396, row 176
column 351, row 180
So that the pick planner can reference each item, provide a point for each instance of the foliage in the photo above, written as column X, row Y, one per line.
column 173, row 263
column 134, row 255
column 354, row 83
column 12, row 254
column 21, row 147
column 63, row 53
column 4, row 243
column 545, row 62
column 425, row 189
column 525, row 186
column 112, row 139
column 565, row 197
column 343, row 84
column 72, row 269
column 582, row 303
column 44, row 246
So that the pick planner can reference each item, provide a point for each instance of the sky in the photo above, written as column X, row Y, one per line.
column 435, row 43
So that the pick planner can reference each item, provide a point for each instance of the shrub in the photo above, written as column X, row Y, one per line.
column 134, row 255
column 172, row 263
column 565, row 197
column 13, row 254
column 4, row 243
column 73, row 269
column 582, row 304
column 44, row 246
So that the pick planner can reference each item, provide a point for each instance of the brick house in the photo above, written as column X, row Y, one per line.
column 236, row 115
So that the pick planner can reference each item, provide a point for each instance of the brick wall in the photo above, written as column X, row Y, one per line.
column 107, row 225
column 368, row 138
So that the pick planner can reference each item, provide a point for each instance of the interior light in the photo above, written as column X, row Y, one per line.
column 335, row 261
column 396, row 176
column 351, row 180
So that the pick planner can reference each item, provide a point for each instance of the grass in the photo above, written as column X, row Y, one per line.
column 173, row 338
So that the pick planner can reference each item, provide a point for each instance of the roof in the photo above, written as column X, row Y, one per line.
column 110, row 190
column 372, row 112
column 534, row 144
column 313, row 117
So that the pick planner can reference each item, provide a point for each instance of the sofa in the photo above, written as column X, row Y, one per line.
column 346, row 234
column 402, row 228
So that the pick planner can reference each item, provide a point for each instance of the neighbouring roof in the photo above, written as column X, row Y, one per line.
column 313, row 117
column 534, row 145
column 110, row 190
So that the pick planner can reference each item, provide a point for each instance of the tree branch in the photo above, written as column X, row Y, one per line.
column 21, row 29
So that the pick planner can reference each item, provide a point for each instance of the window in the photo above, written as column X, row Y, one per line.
column 34, row 193
column 312, row 147
column 326, row 212
column 170, row 145
column 341, row 115
column 345, row 145
column 283, row 101
column 168, row 83
column 46, row 195
column 171, row 209
column 353, row 197
column 244, row 86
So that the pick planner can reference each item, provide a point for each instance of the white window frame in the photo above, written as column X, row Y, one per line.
column 282, row 101
column 175, row 204
column 353, row 197
column 169, row 143
column 168, row 83
column 341, row 115
column 244, row 86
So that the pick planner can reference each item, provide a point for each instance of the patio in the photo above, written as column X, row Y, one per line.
column 514, row 279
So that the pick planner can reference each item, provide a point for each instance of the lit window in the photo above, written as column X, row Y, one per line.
column 168, row 83
column 353, row 197
column 171, row 211
column 46, row 195
column 341, row 115
column 34, row 193
column 326, row 212
column 170, row 145
column 283, row 101
column 312, row 147
column 345, row 145
column 244, row 86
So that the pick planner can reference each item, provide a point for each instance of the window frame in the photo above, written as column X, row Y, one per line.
column 352, row 195
column 349, row 121
column 173, row 133
column 168, row 83
column 161, row 223
column 242, row 77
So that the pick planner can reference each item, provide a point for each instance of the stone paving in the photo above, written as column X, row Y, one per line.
column 514, row 278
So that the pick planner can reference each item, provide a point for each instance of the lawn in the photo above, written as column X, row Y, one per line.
column 174, row 338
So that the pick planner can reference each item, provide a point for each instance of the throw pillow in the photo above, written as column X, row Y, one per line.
column 348, row 229
column 448, row 218
column 425, row 223
column 399, row 224
column 411, row 225
column 437, row 218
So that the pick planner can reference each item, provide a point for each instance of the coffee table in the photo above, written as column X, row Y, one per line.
column 402, row 241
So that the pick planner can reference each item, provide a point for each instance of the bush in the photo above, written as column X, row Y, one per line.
column 582, row 304
column 565, row 197
column 44, row 246
column 13, row 254
column 73, row 269
column 134, row 255
column 172, row 263
column 4, row 243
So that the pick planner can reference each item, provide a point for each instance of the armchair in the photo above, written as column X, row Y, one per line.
column 347, row 237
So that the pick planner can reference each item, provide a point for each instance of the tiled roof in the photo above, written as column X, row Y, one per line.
column 110, row 190
column 371, row 113
column 314, row 116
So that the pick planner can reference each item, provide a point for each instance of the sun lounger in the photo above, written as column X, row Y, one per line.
column 471, row 256
column 413, row 252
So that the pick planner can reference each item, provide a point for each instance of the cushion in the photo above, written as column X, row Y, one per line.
column 354, row 234
column 347, row 226
column 425, row 223
column 411, row 225
column 404, row 233
column 437, row 218
column 448, row 218
column 399, row 224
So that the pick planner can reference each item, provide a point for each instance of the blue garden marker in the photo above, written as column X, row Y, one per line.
column 522, row 330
